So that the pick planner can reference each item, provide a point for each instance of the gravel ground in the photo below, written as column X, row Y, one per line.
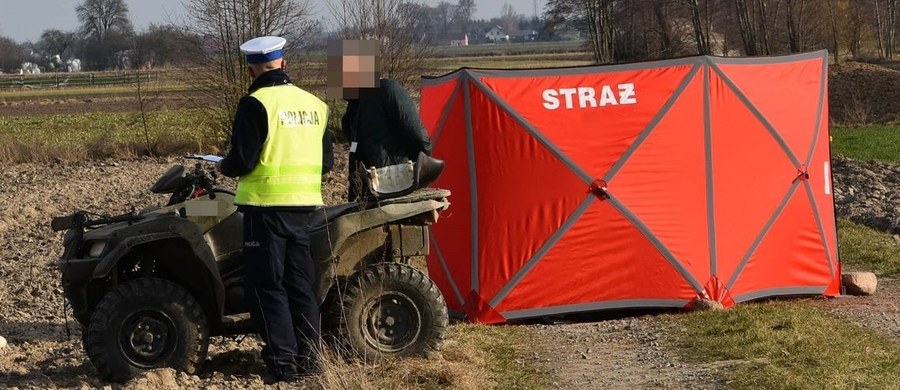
column 42, row 353
column 880, row 311
column 618, row 353
column 628, row 351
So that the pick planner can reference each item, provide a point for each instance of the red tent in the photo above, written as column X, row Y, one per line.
column 641, row 185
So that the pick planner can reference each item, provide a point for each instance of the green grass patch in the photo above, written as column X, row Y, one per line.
column 783, row 345
column 103, row 135
column 870, row 142
column 83, row 129
column 864, row 248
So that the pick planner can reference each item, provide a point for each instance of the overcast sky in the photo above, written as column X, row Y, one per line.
column 24, row 20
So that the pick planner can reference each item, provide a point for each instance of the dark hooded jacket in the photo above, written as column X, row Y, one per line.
column 385, row 124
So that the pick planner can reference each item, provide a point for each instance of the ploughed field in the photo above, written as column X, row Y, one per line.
column 41, row 353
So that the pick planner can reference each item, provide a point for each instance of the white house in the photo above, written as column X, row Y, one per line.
column 496, row 34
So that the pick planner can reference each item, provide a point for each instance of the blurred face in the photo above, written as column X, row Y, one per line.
column 352, row 65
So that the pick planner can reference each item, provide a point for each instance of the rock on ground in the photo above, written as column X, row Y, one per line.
column 859, row 283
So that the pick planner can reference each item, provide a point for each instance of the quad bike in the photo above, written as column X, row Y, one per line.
column 150, row 288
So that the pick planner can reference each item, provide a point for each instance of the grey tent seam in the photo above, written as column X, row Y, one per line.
column 664, row 110
column 592, row 306
column 762, row 234
column 580, row 70
column 544, row 249
column 534, row 132
column 710, row 193
column 800, row 290
column 768, row 60
column 759, row 116
column 823, row 88
column 473, row 180
column 445, row 114
column 667, row 254
column 812, row 202
column 432, row 81
column 446, row 269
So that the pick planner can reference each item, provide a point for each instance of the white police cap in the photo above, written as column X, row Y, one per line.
column 263, row 49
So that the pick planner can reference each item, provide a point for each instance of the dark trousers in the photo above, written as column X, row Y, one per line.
column 280, row 276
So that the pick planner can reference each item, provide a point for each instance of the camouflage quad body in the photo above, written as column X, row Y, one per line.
column 150, row 288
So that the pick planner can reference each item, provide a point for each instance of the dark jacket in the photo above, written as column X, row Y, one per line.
column 251, row 127
column 385, row 124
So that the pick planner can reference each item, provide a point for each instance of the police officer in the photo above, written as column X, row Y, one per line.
column 279, row 151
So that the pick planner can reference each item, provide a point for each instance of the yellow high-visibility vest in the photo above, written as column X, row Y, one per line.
column 289, row 172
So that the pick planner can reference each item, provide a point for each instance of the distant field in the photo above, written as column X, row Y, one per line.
column 509, row 49
column 443, row 65
column 79, row 79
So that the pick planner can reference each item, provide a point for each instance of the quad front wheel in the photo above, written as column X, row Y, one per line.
column 144, row 324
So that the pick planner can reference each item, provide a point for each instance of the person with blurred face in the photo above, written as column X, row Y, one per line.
column 381, row 121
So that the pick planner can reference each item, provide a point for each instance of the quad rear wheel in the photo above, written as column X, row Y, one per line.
column 144, row 324
column 388, row 309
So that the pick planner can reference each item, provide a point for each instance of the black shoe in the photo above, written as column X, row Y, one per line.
column 270, row 378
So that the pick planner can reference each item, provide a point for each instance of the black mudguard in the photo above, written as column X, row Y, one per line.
column 124, row 239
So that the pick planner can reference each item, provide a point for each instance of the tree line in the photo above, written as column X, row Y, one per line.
column 104, row 40
column 634, row 30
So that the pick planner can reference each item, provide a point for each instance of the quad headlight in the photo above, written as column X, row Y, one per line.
column 96, row 248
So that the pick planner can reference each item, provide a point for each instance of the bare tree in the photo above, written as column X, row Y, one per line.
column 884, row 23
column 795, row 21
column 509, row 18
column 56, row 42
column 700, row 14
column 99, row 17
column 465, row 9
column 11, row 55
column 854, row 11
column 754, row 18
column 600, row 25
column 444, row 12
column 594, row 16
column 219, row 27
column 391, row 22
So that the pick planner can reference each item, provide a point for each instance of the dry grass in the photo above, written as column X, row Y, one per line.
column 473, row 357
column 13, row 151
column 102, row 135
